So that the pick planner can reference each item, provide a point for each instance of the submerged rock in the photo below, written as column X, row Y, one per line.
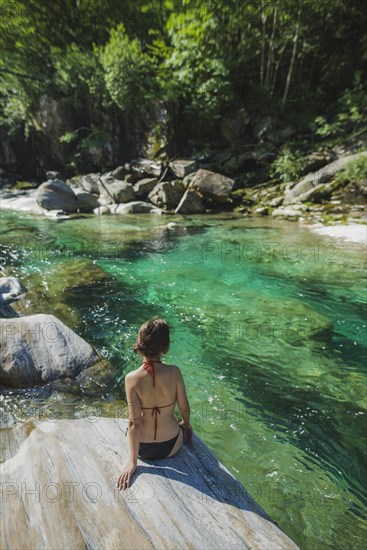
column 73, row 467
column 38, row 348
column 11, row 290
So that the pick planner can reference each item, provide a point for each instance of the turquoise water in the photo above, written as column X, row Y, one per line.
column 268, row 324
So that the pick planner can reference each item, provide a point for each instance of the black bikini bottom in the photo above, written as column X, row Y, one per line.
column 157, row 450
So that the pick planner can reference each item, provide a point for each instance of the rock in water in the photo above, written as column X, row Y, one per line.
column 11, row 290
column 39, row 348
column 57, row 195
column 60, row 491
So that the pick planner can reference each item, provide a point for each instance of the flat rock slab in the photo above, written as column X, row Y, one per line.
column 60, row 491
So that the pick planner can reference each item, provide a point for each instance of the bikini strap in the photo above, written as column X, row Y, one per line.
column 149, row 367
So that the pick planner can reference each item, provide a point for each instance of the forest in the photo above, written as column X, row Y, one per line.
column 157, row 78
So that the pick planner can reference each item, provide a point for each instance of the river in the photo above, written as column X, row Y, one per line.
column 268, row 325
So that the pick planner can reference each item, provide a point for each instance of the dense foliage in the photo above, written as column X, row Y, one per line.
column 202, row 59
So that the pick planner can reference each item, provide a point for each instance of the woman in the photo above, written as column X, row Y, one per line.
column 152, row 391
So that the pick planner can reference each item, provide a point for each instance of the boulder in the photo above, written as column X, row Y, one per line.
column 298, row 191
column 146, row 167
column 21, row 201
column 113, row 190
column 191, row 203
column 145, row 186
column 87, row 202
column 167, row 194
column 39, row 348
column 90, row 183
column 135, row 207
column 182, row 167
column 73, row 468
column 56, row 195
column 212, row 185
column 119, row 173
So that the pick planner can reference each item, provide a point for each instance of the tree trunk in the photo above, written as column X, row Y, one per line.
column 262, row 63
column 291, row 64
column 271, row 51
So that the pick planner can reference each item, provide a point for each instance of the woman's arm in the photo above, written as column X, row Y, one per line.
column 183, row 404
column 134, row 407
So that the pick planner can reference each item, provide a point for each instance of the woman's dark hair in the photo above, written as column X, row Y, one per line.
column 153, row 338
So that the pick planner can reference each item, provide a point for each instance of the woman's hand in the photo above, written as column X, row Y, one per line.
column 124, row 479
column 188, row 429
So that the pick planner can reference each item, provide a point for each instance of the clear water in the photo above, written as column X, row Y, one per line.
column 269, row 328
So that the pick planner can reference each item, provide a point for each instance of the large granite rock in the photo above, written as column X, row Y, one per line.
column 88, row 183
column 167, row 194
column 212, row 185
column 300, row 191
column 114, row 190
column 187, row 501
column 57, row 195
column 38, row 348
column 143, row 187
column 191, row 203
column 21, row 201
column 87, row 202
column 182, row 167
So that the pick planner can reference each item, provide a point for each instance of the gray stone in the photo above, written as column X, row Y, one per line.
column 56, row 195
column 262, row 211
column 113, row 190
column 21, row 201
column 11, row 290
column 191, row 203
column 182, row 167
column 146, row 167
column 310, row 181
column 53, row 175
column 212, row 185
column 119, row 173
column 135, row 207
column 39, row 348
column 101, row 210
column 167, row 194
column 198, row 503
column 89, row 183
column 86, row 201
column 145, row 186
column 293, row 212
